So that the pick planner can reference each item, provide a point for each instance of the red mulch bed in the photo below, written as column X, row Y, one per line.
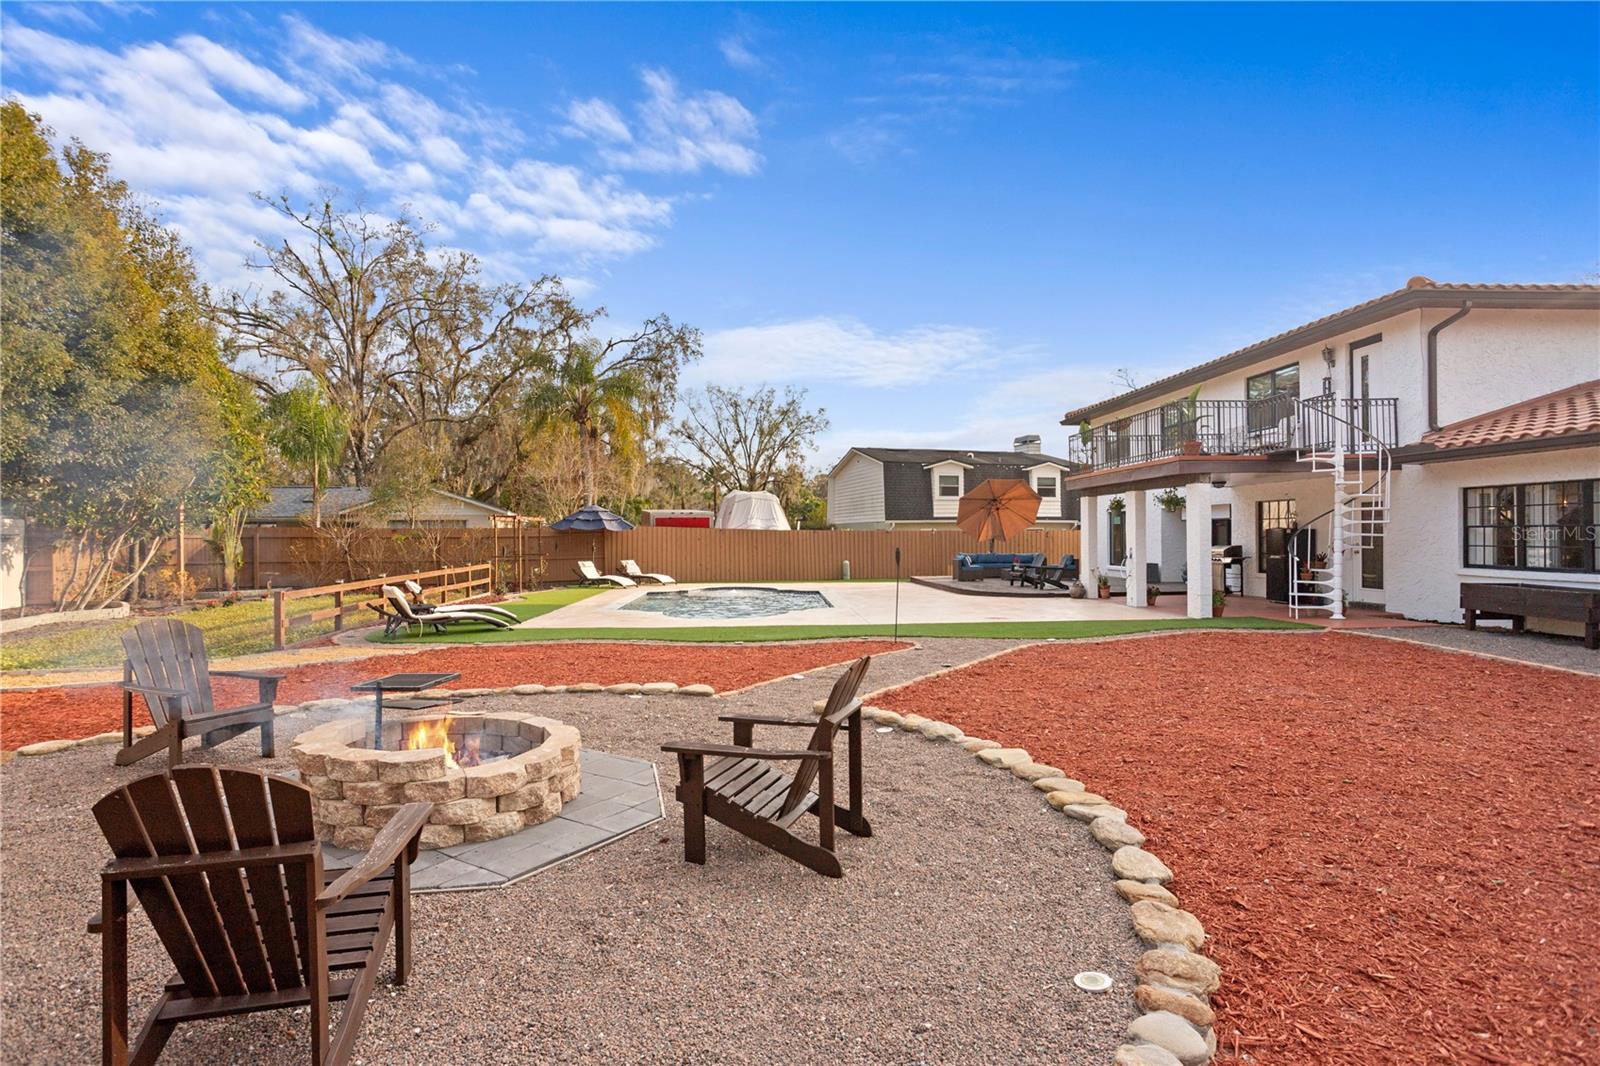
column 1394, row 849
column 44, row 714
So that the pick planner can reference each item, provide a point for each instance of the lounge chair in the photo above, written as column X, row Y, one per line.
column 631, row 569
column 167, row 665
column 439, row 620
column 591, row 576
column 1055, row 576
column 227, row 867
column 420, row 605
column 741, row 788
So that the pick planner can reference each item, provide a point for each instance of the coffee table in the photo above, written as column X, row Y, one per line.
column 399, row 683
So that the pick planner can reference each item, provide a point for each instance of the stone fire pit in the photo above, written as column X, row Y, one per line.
column 488, row 774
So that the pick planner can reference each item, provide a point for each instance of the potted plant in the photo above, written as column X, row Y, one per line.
column 1152, row 594
column 1189, row 421
column 1219, row 603
column 1116, row 505
column 1102, row 585
column 1171, row 501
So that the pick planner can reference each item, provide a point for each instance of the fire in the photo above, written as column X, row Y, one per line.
column 435, row 733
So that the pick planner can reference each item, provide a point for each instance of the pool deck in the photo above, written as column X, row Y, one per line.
column 863, row 603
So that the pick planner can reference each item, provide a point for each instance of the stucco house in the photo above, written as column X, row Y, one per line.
column 920, row 488
column 291, row 505
column 1435, row 435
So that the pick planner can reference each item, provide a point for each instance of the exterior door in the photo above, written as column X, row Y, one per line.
column 1371, row 588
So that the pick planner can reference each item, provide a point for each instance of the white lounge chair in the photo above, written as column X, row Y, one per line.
column 439, row 620
column 631, row 568
column 590, row 575
column 422, row 606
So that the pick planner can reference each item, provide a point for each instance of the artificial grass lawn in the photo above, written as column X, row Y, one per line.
column 539, row 603
column 235, row 629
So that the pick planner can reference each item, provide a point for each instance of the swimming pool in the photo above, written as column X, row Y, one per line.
column 727, row 602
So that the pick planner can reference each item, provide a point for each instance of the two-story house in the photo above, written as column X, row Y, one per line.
column 1435, row 435
column 921, row 488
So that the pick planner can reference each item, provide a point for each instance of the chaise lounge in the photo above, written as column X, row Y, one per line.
column 592, row 576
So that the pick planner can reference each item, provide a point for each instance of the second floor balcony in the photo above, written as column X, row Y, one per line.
column 1275, row 425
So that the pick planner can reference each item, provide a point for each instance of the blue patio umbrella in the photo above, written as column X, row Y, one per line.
column 592, row 519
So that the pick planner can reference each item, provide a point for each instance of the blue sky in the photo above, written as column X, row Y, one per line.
column 948, row 223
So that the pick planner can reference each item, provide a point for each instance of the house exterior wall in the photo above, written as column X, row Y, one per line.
column 855, row 492
column 946, row 506
column 445, row 509
column 1425, row 564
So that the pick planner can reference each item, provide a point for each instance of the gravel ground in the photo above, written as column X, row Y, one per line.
column 952, row 938
column 1538, row 648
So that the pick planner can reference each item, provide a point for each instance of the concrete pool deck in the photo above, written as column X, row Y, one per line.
column 853, row 603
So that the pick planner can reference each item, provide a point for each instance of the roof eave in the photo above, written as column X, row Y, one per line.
column 1355, row 318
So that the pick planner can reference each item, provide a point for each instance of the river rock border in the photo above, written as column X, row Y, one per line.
column 625, row 688
column 1175, row 980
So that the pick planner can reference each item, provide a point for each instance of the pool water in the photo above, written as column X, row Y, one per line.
column 727, row 602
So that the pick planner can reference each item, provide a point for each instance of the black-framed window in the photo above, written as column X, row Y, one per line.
column 1274, row 394
column 949, row 484
column 1546, row 525
column 1271, row 514
column 1045, row 487
column 1119, row 536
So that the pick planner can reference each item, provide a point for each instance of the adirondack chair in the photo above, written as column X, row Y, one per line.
column 246, row 912
column 166, row 665
column 741, row 788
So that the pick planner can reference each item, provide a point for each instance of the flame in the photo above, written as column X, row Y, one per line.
column 435, row 733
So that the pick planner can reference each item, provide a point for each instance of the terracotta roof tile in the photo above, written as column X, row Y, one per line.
column 1571, row 410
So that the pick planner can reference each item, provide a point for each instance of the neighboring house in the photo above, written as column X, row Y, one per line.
column 1465, row 419
column 291, row 505
column 920, row 488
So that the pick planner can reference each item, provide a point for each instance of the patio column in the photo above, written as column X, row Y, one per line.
column 1197, row 547
column 1088, row 540
column 1137, row 519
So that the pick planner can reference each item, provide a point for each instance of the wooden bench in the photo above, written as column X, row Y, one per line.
column 1519, row 602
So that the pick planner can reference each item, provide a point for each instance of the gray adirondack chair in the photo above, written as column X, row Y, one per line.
column 167, row 666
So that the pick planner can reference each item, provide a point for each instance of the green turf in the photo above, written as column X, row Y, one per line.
column 753, row 634
column 235, row 629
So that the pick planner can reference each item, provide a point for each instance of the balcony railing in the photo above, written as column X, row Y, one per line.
column 1268, row 426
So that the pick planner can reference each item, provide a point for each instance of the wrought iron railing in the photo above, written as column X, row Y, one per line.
column 1237, row 427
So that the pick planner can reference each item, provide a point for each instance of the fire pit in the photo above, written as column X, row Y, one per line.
column 487, row 774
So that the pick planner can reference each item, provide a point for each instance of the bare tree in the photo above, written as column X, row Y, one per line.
column 402, row 341
column 748, row 440
column 1124, row 378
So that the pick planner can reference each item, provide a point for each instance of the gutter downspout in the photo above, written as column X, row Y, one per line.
column 1433, row 362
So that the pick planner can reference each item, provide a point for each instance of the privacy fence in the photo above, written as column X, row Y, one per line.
column 531, row 557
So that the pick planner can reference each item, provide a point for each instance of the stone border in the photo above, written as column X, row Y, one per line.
column 1175, row 981
column 626, row 688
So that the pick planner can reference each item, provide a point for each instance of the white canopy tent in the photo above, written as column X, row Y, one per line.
column 751, row 510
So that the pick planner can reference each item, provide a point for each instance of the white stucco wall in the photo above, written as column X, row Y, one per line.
column 1493, row 358
column 855, row 491
column 1424, row 564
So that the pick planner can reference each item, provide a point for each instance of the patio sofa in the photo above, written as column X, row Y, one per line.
column 977, row 565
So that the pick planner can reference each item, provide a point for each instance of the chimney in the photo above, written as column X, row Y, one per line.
column 1028, row 443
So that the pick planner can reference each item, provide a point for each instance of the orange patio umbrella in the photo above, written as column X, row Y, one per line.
column 997, row 509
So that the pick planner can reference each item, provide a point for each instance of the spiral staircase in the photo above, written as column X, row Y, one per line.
column 1359, row 464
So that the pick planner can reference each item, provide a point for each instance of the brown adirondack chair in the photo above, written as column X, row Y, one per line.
column 743, row 790
column 246, row 912
column 166, row 665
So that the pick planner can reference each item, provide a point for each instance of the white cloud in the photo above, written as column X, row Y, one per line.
column 673, row 131
column 843, row 350
column 198, row 127
column 735, row 48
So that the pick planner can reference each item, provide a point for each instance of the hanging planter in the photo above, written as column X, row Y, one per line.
column 1171, row 500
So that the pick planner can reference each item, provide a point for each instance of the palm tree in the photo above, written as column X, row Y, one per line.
column 599, row 402
column 310, row 433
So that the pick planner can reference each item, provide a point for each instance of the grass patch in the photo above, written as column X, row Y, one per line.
column 756, row 634
column 234, row 629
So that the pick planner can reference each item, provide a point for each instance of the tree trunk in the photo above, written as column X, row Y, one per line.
column 587, row 447
column 316, row 492
column 127, row 583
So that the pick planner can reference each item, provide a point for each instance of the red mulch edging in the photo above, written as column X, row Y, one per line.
column 1394, row 849
column 45, row 714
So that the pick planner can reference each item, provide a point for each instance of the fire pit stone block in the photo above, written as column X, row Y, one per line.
column 461, row 811
column 452, row 786
column 400, row 767
column 370, row 793
column 495, row 826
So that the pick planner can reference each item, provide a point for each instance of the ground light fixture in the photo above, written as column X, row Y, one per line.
column 1092, row 981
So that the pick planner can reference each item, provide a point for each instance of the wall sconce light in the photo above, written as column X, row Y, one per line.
column 1327, row 355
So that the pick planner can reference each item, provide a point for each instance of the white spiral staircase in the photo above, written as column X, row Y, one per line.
column 1359, row 464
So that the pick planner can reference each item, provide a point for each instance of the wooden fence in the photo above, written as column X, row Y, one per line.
column 469, row 581
column 300, row 557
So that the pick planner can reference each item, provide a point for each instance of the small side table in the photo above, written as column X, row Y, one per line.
column 399, row 683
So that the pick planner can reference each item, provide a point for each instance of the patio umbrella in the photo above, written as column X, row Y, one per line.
column 997, row 509
column 592, row 519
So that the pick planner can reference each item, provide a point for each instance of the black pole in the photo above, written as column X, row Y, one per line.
column 897, row 595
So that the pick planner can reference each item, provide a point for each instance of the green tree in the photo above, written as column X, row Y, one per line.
column 610, row 392
column 310, row 433
column 118, row 404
